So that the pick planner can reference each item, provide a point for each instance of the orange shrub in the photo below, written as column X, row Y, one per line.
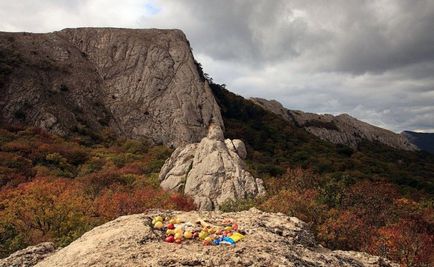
column 111, row 204
column 95, row 182
column 74, row 153
column 21, row 146
column 299, row 204
column 404, row 242
column 44, row 209
column 344, row 230
column 179, row 201
column 14, row 169
column 371, row 201
column 294, row 179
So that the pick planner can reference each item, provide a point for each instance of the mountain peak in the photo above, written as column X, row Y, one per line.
column 136, row 82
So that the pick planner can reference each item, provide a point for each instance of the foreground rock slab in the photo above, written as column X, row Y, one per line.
column 272, row 240
column 212, row 171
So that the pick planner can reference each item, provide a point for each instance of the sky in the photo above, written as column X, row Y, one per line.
column 372, row 59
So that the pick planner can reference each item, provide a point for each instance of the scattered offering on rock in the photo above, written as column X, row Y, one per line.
column 188, row 235
column 170, row 239
column 177, row 231
column 157, row 219
column 158, row 225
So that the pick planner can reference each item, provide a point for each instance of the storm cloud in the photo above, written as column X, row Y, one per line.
column 371, row 59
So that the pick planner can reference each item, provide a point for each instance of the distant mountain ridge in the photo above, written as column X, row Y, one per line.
column 341, row 129
column 424, row 141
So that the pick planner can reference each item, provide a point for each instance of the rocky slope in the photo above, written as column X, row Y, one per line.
column 271, row 240
column 212, row 171
column 341, row 129
column 137, row 82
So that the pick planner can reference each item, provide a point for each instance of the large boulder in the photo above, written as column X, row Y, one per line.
column 271, row 240
column 212, row 171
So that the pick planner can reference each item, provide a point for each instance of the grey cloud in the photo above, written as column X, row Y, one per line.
column 374, row 43
column 255, row 32
column 373, row 59
column 347, row 36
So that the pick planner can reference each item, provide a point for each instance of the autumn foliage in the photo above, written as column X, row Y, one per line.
column 53, row 189
column 358, row 215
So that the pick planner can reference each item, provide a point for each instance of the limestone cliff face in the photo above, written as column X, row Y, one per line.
column 48, row 83
column 271, row 240
column 212, row 171
column 137, row 82
column 341, row 129
column 152, row 85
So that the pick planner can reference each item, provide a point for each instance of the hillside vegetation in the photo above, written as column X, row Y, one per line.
column 274, row 145
column 56, row 189
column 374, row 199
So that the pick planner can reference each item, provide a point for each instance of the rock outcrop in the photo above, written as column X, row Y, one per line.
column 342, row 129
column 29, row 256
column 136, row 82
column 271, row 240
column 212, row 171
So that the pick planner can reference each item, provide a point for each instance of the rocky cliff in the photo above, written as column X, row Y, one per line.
column 271, row 240
column 136, row 82
column 341, row 129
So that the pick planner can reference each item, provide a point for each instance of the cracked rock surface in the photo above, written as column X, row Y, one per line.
column 136, row 82
column 271, row 240
column 212, row 171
